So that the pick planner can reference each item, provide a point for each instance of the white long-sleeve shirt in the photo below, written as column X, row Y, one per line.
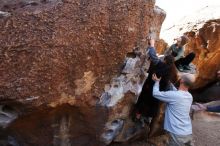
column 177, row 119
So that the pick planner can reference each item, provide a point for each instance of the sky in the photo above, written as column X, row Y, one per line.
column 177, row 9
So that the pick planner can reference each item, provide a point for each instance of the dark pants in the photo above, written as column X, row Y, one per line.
column 186, row 60
column 177, row 140
column 147, row 105
column 214, row 109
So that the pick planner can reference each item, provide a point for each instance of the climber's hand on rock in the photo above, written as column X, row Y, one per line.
column 155, row 78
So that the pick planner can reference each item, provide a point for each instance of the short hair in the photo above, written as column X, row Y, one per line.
column 187, row 79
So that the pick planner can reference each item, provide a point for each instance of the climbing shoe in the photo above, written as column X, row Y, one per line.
column 180, row 68
column 186, row 67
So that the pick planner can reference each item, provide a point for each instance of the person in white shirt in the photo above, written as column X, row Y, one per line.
column 177, row 119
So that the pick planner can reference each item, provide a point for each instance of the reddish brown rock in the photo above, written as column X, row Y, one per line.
column 62, row 126
column 72, row 48
column 161, row 46
column 205, row 42
column 81, row 53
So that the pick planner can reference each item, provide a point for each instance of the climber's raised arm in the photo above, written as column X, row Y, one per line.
column 152, row 52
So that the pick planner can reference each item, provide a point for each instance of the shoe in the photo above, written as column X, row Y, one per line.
column 186, row 67
column 180, row 68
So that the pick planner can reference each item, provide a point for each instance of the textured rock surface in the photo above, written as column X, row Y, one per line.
column 205, row 42
column 161, row 46
column 62, row 126
column 203, row 27
column 71, row 49
column 209, row 93
column 78, row 52
column 206, row 124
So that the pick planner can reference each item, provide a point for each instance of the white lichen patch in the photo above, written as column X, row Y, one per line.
column 4, row 14
column 116, row 92
column 130, row 65
column 32, row 98
column 129, row 81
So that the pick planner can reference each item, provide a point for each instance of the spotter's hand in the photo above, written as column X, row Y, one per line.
column 155, row 78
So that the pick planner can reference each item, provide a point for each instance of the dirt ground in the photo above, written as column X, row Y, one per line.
column 206, row 131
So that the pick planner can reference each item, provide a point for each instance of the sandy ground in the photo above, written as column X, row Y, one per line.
column 206, row 131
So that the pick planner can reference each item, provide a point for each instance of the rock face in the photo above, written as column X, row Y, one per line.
column 161, row 46
column 62, row 126
column 81, row 53
column 202, row 27
column 209, row 93
column 205, row 42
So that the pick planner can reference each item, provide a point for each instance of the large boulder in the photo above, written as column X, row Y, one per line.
column 87, row 54
column 202, row 27
column 161, row 46
column 205, row 42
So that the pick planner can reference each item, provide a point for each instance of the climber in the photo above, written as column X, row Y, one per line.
column 165, row 69
column 148, row 86
column 177, row 120
column 152, row 52
column 162, row 68
column 140, row 107
column 177, row 50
